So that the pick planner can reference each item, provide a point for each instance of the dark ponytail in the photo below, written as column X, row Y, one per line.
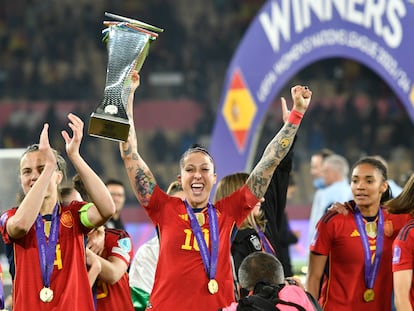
column 387, row 195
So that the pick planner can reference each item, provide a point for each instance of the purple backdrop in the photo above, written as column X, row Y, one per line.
column 288, row 35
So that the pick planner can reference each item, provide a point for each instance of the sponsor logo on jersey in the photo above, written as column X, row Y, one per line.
column 396, row 255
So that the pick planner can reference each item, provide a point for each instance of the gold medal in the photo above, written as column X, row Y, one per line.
column 212, row 286
column 200, row 218
column 369, row 295
column 371, row 229
column 46, row 294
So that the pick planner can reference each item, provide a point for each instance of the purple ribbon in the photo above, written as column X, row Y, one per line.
column 210, row 262
column 371, row 268
column 1, row 293
column 47, row 250
column 265, row 242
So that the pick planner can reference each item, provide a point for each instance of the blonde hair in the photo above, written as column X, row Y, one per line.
column 226, row 186
column 60, row 161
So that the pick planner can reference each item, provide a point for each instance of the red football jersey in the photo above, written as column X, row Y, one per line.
column 403, row 253
column 116, row 296
column 337, row 236
column 69, row 280
column 180, row 279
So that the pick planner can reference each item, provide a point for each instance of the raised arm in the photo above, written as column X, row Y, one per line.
column 141, row 178
column 275, row 197
column 25, row 216
column 279, row 146
column 104, row 206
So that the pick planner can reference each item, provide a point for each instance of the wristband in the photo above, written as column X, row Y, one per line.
column 295, row 117
column 84, row 216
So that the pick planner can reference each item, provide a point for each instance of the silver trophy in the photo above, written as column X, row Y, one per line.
column 128, row 42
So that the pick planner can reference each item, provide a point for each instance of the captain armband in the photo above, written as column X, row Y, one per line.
column 84, row 216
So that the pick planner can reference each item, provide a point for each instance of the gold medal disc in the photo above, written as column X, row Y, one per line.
column 212, row 286
column 46, row 294
column 371, row 229
column 369, row 295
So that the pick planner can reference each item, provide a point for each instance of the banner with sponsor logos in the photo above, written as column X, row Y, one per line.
column 288, row 35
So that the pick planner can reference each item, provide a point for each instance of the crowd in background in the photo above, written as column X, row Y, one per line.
column 51, row 52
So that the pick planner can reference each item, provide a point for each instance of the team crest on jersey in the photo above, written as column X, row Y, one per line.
column 255, row 242
column 66, row 219
column 388, row 228
column 396, row 255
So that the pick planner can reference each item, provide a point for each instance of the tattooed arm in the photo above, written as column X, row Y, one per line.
column 279, row 146
column 141, row 179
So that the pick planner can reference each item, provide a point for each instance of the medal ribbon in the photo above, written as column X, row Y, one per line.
column 47, row 250
column 265, row 242
column 1, row 293
column 210, row 262
column 371, row 268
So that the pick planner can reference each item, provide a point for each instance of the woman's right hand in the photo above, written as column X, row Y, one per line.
column 301, row 96
column 44, row 147
column 341, row 208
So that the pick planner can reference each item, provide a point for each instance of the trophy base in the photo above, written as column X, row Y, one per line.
column 108, row 127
